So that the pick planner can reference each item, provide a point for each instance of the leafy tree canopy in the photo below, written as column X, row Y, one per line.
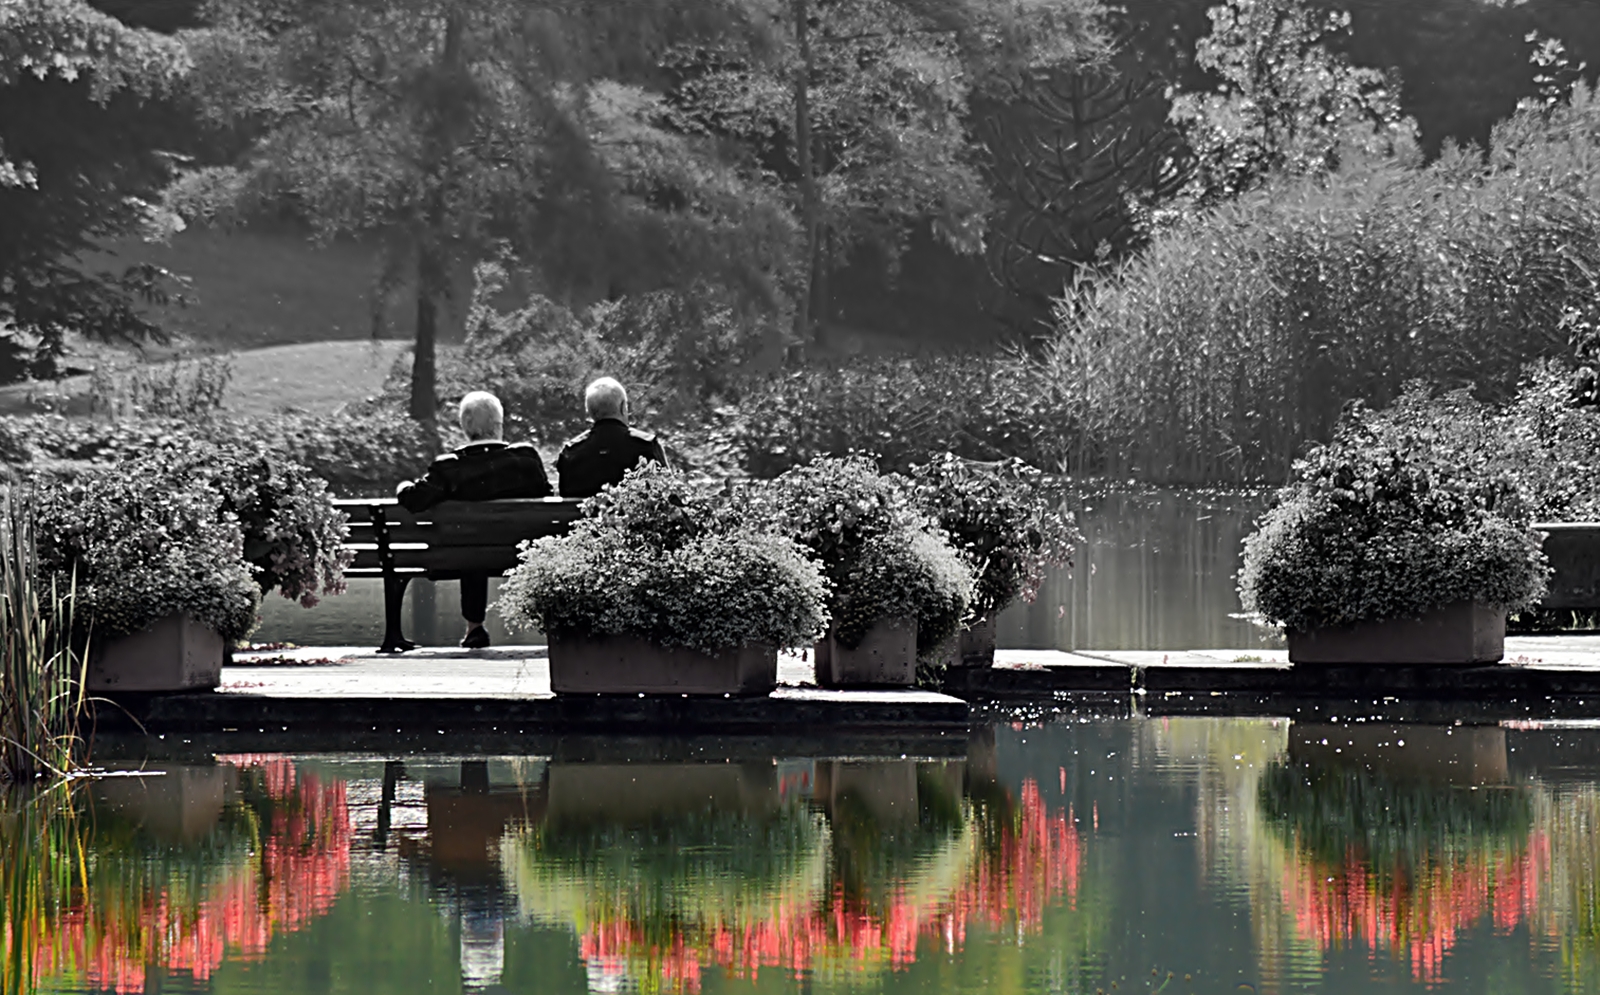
column 453, row 130
column 85, row 133
column 1288, row 102
column 862, row 114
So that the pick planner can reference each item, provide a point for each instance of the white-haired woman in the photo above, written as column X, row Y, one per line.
column 482, row 470
column 609, row 449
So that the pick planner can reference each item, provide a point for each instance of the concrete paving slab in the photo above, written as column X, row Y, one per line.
column 504, row 689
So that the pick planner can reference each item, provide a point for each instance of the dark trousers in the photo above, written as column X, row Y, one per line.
column 474, row 597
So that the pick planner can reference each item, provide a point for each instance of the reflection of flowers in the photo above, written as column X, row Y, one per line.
column 124, row 918
column 1420, row 911
column 1402, row 866
column 1003, row 867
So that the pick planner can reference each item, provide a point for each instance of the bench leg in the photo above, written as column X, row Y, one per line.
column 394, row 596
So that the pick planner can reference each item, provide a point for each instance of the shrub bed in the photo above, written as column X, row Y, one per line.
column 883, row 557
column 1392, row 519
column 657, row 559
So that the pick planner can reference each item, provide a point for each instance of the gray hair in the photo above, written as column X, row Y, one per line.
column 605, row 398
column 481, row 416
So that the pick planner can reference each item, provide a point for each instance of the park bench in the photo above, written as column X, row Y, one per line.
column 442, row 543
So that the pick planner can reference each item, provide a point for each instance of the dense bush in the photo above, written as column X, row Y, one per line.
column 187, row 390
column 1005, row 517
column 882, row 555
column 356, row 454
column 1391, row 519
column 293, row 535
column 652, row 558
column 1238, row 336
column 674, row 350
column 1549, row 441
column 902, row 410
column 143, row 546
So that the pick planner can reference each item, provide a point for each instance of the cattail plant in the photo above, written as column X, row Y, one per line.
column 42, row 657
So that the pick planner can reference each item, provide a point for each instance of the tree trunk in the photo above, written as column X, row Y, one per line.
column 821, row 304
column 424, row 403
column 810, row 200
column 432, row 266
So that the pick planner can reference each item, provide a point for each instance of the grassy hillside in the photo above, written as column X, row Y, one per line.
column 313, row 377
column 254, row 289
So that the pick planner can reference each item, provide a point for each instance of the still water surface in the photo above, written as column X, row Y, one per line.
column 1202, row 855
column 1156, row 572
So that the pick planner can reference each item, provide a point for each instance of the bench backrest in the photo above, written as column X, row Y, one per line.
column 453, row 536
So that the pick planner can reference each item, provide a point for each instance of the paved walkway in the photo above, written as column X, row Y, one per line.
column 507, row 690
column 1578, row 652
column 438, row 672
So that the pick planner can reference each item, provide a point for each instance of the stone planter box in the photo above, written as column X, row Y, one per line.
column 972, row 648
column 630, row 665
column 1463, row 633
column 175, row 654
column 887, row 657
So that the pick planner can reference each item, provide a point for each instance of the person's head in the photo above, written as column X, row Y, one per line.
column 605, row 398
column 482, row 417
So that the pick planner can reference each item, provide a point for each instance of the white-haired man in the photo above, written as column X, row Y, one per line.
column 602, row 455
column 482, row 470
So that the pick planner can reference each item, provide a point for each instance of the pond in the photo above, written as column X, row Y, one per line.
column 1156, row 572
column 1079, row 853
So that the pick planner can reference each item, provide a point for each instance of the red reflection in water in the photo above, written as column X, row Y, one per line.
column 1420, row 914
column 1038, row 860
column 301, row 868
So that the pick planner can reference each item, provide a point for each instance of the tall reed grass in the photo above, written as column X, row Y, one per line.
column 42, row 658
column 1238, row 336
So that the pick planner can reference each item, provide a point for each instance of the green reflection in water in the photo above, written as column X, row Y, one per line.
column 1053, row 857
column 265, row 874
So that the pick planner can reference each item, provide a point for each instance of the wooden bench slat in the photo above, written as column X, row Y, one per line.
column 446, row 541
column 453, row 535
column 487, row 558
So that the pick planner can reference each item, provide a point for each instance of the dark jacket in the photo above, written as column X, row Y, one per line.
column 602, row 455
column 479, row 471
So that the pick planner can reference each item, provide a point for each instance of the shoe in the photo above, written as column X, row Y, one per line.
column 476, row 638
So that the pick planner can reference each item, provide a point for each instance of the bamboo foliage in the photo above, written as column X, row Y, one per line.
column 42, row 661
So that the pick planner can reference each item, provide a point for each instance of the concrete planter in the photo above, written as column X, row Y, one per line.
column 1463, row 633
column 887, row 657
column 630, row 665
column 972, row 648
column 175, row 654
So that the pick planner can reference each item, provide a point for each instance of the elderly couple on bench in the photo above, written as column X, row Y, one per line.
column 487, row 468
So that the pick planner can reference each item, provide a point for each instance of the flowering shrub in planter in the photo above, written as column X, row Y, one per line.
column 1005, row 517
column 1384, row 522
column 292, row 531
column 655, row 559
column 145, row 547
column 883, row 556
column 293, row 534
